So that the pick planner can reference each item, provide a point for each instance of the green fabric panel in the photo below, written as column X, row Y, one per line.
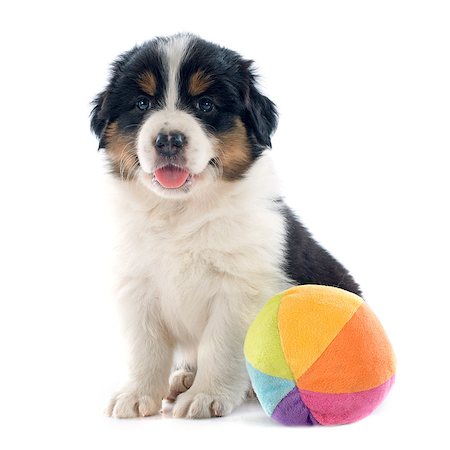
column 262, row 347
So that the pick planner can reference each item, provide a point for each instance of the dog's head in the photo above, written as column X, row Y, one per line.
column 180, row 113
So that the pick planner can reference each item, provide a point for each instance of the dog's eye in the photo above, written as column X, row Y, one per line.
column 205, row 104
column 143, row 103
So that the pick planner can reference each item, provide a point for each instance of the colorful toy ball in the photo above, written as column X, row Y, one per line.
column 318, row 355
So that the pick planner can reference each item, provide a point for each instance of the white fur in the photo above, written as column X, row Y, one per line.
column 175, row 49
column 192, row 274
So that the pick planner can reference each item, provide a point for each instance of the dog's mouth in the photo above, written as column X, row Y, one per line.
column 172, row 177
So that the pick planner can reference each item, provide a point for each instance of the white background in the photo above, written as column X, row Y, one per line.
column 363, row 90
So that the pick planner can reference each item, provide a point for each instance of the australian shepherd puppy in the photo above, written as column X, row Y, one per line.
column 206, row 237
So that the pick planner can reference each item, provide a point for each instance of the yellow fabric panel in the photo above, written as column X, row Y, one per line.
column 262, row 347
column 309, row 318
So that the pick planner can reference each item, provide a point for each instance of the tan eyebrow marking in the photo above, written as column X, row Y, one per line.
column 147, row 82
column 199, row 82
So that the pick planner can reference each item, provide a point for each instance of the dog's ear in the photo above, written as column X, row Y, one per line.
column 99, row 117
column 260, row 115
column 100, row 114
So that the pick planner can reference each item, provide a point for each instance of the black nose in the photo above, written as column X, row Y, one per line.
column 170, row 144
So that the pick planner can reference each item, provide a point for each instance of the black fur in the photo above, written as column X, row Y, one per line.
column 117, row 102
column 307, row 262
column 233, row 91
column 260, row 116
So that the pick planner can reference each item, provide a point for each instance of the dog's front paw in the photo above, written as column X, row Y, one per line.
column 133, row 403
column 202, row 405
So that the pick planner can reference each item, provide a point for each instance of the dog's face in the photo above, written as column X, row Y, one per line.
column 180, row 113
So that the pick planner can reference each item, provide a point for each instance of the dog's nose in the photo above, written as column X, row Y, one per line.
column 170, row 144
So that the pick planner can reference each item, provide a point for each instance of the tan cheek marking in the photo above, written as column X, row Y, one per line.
column 121, row 151
column 234, row 151
column 147, row 82
column 199, row 82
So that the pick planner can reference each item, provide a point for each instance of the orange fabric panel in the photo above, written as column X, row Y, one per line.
column 359, row 358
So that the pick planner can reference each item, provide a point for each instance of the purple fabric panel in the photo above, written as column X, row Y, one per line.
column 292, row 411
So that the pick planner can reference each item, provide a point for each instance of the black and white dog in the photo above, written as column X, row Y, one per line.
column 206, row 237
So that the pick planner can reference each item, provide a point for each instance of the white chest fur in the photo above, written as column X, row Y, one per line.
column 222, row 250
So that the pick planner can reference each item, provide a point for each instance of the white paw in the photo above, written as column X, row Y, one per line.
column 180, row 381
column 130, row 404
column 202, row 405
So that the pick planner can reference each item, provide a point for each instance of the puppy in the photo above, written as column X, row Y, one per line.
column 206, row 238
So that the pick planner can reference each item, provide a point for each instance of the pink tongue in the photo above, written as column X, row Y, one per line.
column 171, row 177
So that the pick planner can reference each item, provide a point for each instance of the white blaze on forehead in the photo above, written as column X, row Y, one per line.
column 175, row 49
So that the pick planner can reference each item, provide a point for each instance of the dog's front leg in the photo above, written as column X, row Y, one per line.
column 221, row 382
column 151, row 355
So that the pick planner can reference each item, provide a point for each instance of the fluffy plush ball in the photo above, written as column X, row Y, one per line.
column 318, row 355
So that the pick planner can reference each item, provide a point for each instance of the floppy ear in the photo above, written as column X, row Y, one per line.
column 100, row 113
column 99, row 119
column 260, row 114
